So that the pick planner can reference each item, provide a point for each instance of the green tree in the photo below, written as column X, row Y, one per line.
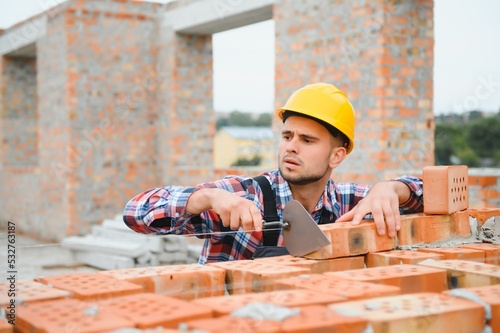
column 448, row 140
column 264, row 119
column 468, row 157
column 222, row 122
column 242, row 161
column 483, row 136
column 238, row 118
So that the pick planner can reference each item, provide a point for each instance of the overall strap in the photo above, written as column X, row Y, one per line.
column 325, row 217
column 270, row 237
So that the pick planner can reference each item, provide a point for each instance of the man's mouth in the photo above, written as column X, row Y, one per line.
column 291, row 161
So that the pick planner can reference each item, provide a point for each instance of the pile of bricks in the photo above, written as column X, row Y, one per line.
column 398, row 291
column 362, row 282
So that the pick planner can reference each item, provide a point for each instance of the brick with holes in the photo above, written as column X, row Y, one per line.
column 397, row 257
column 313, row 318
column 317, row 266
column 248, row 276
column 491, row 251
column 349, row 289
column 415, row 313
column 352, row 240
column 490, row 295
column 28, row 291
column 224, row 305
column 67, row 315
column 456, row 253
column 148, row 310
column 181, row 281
column 464, row 274
column 88, row 286
column 446, row 189
column 409, row 278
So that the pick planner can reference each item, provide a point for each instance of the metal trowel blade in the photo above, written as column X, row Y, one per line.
column 303, row 235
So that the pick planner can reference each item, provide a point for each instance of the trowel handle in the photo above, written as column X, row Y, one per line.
column 275, row 224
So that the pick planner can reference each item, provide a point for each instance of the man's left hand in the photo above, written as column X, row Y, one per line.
column 382, row 201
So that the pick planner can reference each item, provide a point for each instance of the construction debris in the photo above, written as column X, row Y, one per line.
column 112, row 245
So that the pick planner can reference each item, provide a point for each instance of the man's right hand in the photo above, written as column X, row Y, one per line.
column 233, row 210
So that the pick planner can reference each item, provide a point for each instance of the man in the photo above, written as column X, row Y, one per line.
column 317, row 134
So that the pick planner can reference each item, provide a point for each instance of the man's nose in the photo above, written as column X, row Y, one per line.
column 292, row 146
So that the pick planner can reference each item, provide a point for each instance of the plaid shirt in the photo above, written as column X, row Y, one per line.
column 163, row 211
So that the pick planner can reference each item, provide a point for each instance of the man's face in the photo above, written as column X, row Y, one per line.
column 304, row 151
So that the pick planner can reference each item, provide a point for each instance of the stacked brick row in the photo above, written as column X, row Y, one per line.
column 484, row 190
column 428, row 290
column 361, row 282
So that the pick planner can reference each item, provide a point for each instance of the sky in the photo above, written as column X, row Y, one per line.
column 466, row 57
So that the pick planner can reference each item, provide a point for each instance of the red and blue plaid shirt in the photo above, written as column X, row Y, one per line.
column 163, row 211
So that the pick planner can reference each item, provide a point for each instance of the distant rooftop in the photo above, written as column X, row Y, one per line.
column 251, row 132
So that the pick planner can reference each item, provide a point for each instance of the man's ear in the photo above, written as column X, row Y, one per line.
column 337, row 156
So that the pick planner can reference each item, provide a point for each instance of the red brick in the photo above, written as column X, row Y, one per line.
column 181, row 281
column 484, row 214
column 230, row 324
column 88, row 286
column 446, row 189
column 491, row 251
column 28, row 291
column 317, row 266
column 147, row 310
column 5, row 327
column 351, row 240
column 461, row 224
column 348, row 289
column 482, row 180
column 67, row 315
column 456, row 253
column 409, row 278
column 224, row 305
column 314, row 318
column 246, row 276
column 489, row 295
column 397, row 257
column 421, row 312
column 464, row 274
column 420, row 228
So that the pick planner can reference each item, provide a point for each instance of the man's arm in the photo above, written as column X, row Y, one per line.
column 384, row 201
column 232, row 199
column 233, row 210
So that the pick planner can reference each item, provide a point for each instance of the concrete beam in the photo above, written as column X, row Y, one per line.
column 20, row 40
column 208, row 16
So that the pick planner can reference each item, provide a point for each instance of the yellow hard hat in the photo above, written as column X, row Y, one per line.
column 324, row 102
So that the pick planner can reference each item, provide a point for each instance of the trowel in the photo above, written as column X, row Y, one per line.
column 301, row 234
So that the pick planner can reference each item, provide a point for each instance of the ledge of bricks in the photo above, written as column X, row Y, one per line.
column 366, row 285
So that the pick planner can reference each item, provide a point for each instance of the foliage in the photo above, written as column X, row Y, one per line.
column 242, row 161
column 484, row 136
column 237, row 118
column 472, row 140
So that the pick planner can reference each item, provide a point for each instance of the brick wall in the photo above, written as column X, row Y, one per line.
column 381, row 55
column 125, row 103
column 186, row 120
column 20, row 116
